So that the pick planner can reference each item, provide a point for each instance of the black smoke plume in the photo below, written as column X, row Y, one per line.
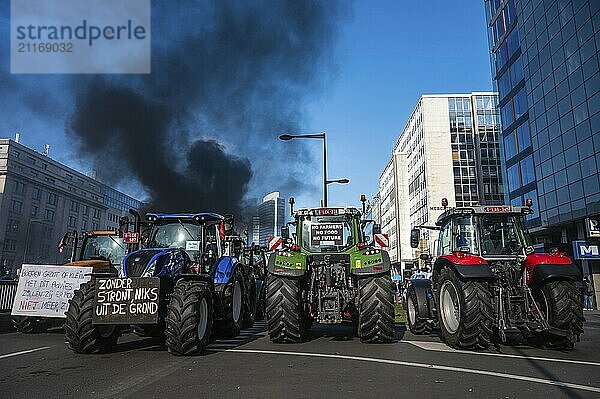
column 200, row 132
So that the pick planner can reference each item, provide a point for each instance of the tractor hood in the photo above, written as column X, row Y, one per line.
column 98, row 265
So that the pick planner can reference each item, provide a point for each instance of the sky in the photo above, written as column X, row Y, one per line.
column 382, row 56
column 389, row 54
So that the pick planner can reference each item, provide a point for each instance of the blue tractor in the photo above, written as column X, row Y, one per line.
column 189, row 282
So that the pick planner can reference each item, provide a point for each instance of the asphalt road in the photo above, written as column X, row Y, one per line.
column 333, row 363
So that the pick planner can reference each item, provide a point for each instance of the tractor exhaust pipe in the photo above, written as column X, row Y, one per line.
column 136, row 220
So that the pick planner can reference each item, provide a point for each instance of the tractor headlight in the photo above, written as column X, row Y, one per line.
column 372, row 252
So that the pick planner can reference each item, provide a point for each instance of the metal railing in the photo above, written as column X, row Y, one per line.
column 8, row 290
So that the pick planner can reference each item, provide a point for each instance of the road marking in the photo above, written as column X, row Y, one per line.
column 441, row 347
column 424, row 366
column 24, row 352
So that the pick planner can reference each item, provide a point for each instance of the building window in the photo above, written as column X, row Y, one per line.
column 31, row 160
column 514, row 181
column 527, row 171
column 49, row 214
column 10, row 245
column 52, row 199
column 94, row 226
column 19, row 188
column 96, row 213
column 34, row 210
column 510, row 147
column 523, row 136
column 83, row 225
column 72, row 221
column 84, row 209
column 16, row 206
column 74, row 206
column 36, row 193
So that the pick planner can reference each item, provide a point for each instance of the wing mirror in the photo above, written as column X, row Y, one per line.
column 285, row 232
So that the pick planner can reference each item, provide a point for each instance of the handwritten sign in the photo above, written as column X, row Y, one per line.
column 327, row 234
column 45, row 290
column 132, row 300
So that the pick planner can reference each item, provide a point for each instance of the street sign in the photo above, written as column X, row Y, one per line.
column 381, row 240
column 592, row 226
column 131, row 238
column 585, row 250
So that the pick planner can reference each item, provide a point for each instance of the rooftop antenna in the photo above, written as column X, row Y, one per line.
column 17, row 137
column 46, row 149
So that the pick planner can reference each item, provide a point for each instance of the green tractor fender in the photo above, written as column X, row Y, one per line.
column 377, row 263
column 287, row 263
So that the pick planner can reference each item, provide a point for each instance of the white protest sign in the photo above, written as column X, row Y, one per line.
column 45, row 290
column 192, row 245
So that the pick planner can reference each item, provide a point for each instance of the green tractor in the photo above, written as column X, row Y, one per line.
column 328, row 272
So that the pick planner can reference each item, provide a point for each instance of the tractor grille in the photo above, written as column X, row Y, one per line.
column 136, row 263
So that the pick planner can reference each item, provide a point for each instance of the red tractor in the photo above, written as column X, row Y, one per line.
column 487, row 280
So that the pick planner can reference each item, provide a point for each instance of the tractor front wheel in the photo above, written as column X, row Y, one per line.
column 81, row 335
column 250, row 304
column 189, row 318
column 375, row 309
column 233, row 300
column 285, row 319
column 465, row 311
column 415, row 325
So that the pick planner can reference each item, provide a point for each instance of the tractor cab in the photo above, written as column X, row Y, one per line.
column 328, row 229
column 487, row 231
column 103, row 250
column 200, row 235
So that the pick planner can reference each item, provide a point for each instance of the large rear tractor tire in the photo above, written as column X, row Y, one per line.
column 189, row 318
column 285, row 318
column 415, row 325
column 465, row 311
column 233, row 300
column 250, row 304
column 80, row 334
column 30, row 325
column 375, row 309
column 561, row 304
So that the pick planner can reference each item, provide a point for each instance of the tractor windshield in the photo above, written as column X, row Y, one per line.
column 501, row 235
column 106, row 247
column 327, row 233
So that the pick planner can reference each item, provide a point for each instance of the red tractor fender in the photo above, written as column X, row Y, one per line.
column 467, row 266
column 540, row 267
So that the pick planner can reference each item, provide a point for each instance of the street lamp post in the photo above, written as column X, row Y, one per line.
column 322, row 136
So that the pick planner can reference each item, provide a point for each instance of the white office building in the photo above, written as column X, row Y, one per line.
column 448, row 149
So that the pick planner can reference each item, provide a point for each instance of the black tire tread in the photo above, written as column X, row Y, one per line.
column 375, row 309
column 419, row 327
column 477, row 313
column 182, row 318
column 80, row 334
column 284, row 310
column 566, row 312
column 227, row 327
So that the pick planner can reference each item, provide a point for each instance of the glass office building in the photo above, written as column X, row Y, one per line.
column 271, row 217
column 545, row 64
